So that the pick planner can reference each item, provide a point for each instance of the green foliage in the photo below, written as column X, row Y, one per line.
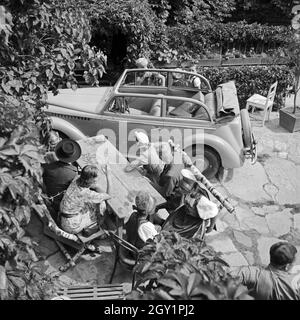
column 252, row 79
column 134, row 19
column 171, row 267
column 41, row 43
column 184, row 12
column 204, row 39
column 20, row 179
column 265, row 11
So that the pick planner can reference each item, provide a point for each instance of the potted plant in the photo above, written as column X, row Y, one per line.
column 289, row 117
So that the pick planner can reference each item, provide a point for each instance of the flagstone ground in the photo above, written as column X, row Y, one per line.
column 266, row 196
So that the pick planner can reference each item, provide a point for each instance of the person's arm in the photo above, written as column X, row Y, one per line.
column 107, row 172
column 141, row 79
column 141, row 160
column 248, row 275
column 133, row 165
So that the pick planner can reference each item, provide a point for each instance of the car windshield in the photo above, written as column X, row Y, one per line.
column 145, row 78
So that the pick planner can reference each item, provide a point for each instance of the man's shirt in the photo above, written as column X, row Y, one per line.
column 271, row 283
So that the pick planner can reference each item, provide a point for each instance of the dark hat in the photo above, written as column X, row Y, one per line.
column 282, row 253
column 68, row 150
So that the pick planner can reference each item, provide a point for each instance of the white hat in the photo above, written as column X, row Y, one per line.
column 188, row 175
column 141, row 137
column 206, row 208
column 141, row 63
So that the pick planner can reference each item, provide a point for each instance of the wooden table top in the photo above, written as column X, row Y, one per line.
column 125, row 185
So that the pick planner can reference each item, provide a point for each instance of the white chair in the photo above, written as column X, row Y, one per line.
column 263, row 103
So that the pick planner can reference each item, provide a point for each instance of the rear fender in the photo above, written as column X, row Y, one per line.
column 67, row 128
column 229, row 157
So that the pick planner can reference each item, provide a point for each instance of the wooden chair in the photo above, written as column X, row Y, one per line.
column 125, row 253
column 264, row 103
column 103, row 292
column 79, row 242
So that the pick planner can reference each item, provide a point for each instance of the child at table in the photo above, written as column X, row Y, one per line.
column 139, row 228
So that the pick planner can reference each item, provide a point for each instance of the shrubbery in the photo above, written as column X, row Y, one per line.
column 174, row 268
column 252, row 79
column 40, row 44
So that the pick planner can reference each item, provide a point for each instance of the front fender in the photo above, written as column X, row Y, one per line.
column 67, row 128
column 229, row 157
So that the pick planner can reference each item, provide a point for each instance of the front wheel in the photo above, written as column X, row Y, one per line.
column 209, row 164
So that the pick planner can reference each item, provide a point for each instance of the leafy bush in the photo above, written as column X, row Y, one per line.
column 171, row 267
column 133, row 19
column 40, row 44
column 242, row 32
column 252, row 79
column 185, row 11
column 201, row 37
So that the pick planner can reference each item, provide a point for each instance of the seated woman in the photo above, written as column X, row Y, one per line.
column 139, row 228
column 81, row 206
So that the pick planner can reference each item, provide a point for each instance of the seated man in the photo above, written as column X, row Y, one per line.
column 195, row 208
column 148, row 78
column 178, row 79
column 81, row 206
column 58, row 175
column 139, row 228
column 194, row 81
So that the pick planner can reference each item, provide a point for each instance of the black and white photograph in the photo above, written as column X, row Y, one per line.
column 149, row 151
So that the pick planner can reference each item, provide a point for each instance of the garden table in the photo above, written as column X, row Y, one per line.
column 124, row 185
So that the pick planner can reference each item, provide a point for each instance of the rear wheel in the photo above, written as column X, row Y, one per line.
column 208, row 163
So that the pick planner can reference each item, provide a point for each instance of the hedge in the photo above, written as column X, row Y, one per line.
column 243, row 32
column 252, row 79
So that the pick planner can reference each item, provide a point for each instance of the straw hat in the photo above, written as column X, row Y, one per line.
column 141, row 137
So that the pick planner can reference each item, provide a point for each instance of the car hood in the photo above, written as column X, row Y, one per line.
column 83, row 99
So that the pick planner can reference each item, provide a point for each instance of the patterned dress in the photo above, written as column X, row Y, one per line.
column 79, row 207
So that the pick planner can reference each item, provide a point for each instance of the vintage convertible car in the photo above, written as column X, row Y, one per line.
column 165, row 103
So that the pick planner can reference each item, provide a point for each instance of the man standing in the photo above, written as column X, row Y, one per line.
column 279, row 280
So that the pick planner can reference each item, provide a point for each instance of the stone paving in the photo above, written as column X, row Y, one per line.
column 266, row 196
